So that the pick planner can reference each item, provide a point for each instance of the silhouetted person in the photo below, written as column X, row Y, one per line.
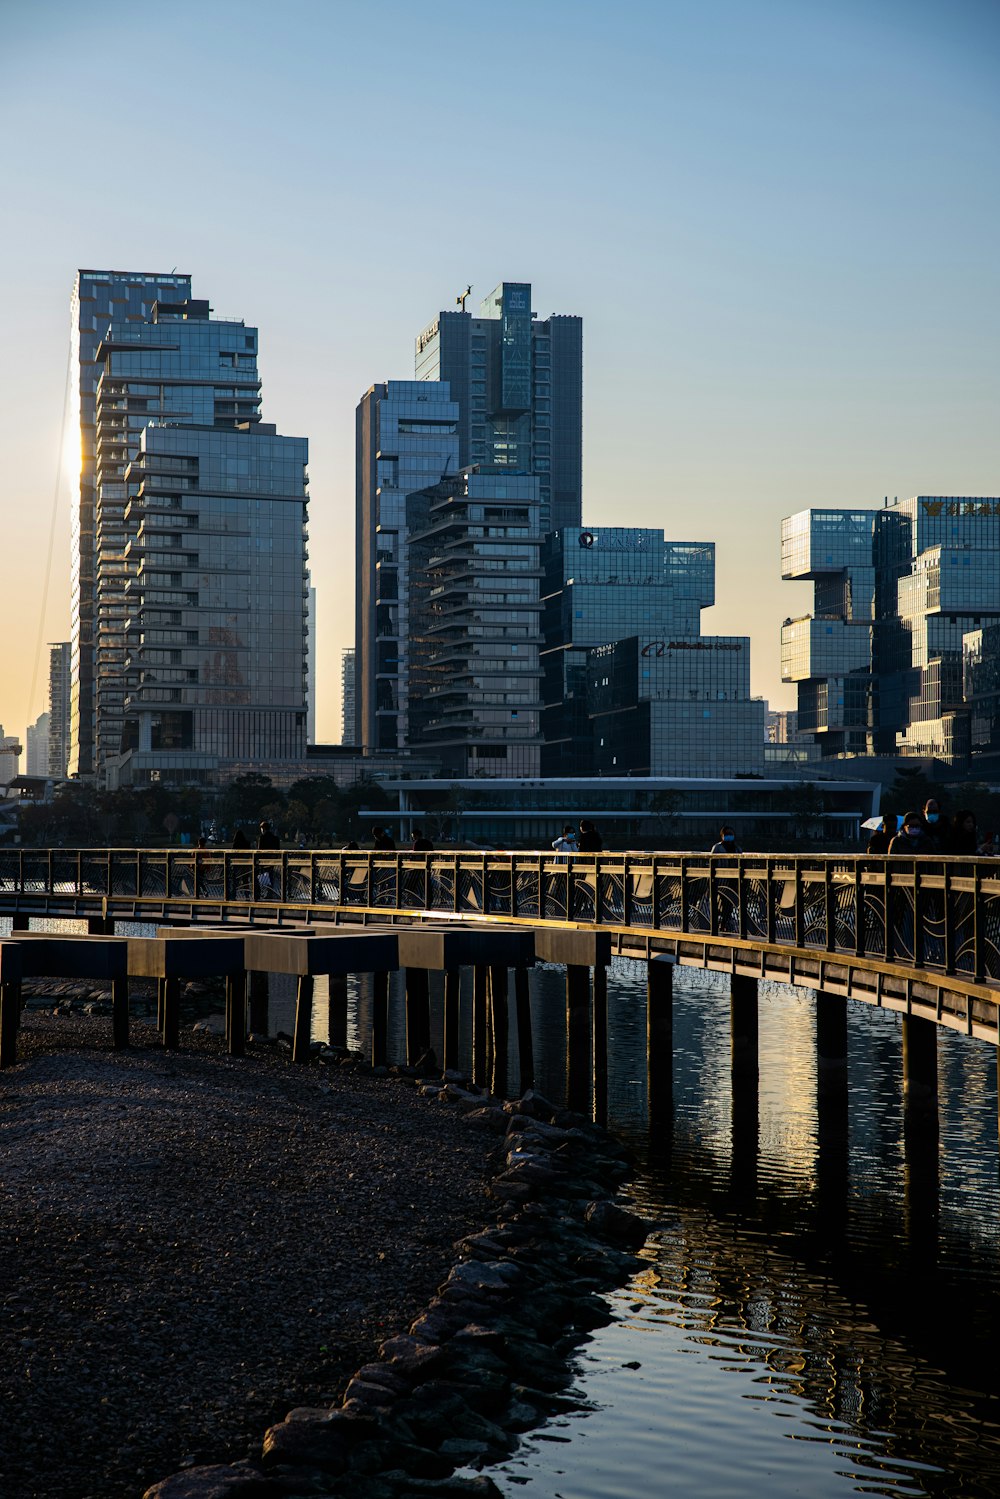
column 351, row 848
column 913, row 837
column 589, row 840
column 934, row 826
column 421, row 843
column 240, row 839
column 879, row 841
column 382, row 840
column 267, row 837
column 727, row 842
column 963, row 836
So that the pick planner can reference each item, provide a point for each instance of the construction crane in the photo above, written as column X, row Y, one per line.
column 461, row 301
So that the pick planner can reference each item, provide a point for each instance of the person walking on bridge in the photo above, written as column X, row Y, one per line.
column 913, row 837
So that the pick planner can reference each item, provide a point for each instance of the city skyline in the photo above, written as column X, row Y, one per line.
column 776, row 227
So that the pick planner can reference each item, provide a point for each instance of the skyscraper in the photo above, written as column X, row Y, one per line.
column 37, row 738
column 905, row 603
column 190, row 585
column 98, row 297
column 518, row 383
column 407, row 439
column 630, row 683
column 59, row 708
column 474, row 630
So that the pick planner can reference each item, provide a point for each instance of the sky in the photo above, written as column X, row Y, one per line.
column 779, row 220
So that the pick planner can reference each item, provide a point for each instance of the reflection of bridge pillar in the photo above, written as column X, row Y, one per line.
column 499, row 1027
column 338, row 1009
column 525, row 1049
column 832, row 1139
column 418, row 1014
column 920, row 1084
column 659, row 1040
column 577, row 1036
column 743, row 1070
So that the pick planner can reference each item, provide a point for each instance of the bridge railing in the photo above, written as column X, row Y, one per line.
column 937, row 914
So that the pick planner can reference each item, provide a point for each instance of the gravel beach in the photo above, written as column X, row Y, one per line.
column 190, row 1245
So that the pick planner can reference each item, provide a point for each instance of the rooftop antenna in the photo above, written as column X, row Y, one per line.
column 461, row 301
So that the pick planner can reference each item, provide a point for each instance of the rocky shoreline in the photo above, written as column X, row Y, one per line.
column 492, row 1314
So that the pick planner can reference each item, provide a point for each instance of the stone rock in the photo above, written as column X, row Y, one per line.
column 535, row 1105
column 481, row 1277
column 313, row 1439
column 218, row 1481
column 617, row 1224
column 489, row 1118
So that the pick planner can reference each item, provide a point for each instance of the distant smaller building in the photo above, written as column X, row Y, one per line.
column 10, row 753
column 59, row 709
column 348, row 660
column 38, row 746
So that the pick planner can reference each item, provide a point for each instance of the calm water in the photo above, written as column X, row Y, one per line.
column 815, row 1316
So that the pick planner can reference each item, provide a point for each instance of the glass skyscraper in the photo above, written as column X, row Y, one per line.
column 518, row 383
column 630, row 683
column 407, row 440
column 905, row 598
column 98, row 297
column 183, row 495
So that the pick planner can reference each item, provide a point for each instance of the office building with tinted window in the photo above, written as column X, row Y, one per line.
column 900, row 642
column 630, row 684
column 407, row 440
column 216, row 605
column 518, row 384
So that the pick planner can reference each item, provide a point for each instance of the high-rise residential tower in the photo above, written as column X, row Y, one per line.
column 98, row 298
column 59, row 708
column 518, row 383
column 191, row 591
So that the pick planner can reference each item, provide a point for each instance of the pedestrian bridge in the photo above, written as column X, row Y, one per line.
column 920, row 935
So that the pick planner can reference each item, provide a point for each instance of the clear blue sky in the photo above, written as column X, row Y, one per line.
column 778, row 220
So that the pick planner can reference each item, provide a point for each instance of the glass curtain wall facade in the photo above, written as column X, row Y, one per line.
column 348, row 663
column 615, row 586
column 518, row 382
column 407, row 440
column 474, row 673
column 216, row 599
column 59, row 708
column 920, row 582
column 98, row 298
column 179, row 366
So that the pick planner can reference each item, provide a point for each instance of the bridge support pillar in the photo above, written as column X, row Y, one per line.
column 480, row 1021
column 20, row 921
column 831, row 1038
column 600, row 1037
column 380, row 1018
column 525, row 1047
column 920, row 1081
column 452, row 1004
column 236, row 1014
column 170, row 1012
column 259, row 991
column 499, row 1029
column 578, row 1043
column 337, row 986
column 303, row 1018
column 743, row 1027
column 832, row 1136
column 660, row 1039
column 99, row 926
column 418, row 1015
column 10, row 1003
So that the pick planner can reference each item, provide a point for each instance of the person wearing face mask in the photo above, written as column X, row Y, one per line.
column 933, row 825
column 913, row 837
column 727, row 842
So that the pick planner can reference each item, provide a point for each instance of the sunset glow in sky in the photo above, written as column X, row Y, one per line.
column 777, row 218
